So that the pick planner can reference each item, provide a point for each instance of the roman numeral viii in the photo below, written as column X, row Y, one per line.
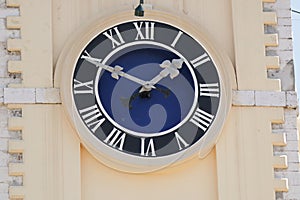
column 202, row 119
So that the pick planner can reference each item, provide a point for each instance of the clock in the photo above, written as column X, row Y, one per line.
column 144, row 94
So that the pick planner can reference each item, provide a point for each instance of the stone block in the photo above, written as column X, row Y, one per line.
column 278, row 5
column 284, row 21
column 283, row 32
column 272, row 62
column 3, row 145
column 290, row 118
column 4, row 196
column 4, row 12
column 284, row 13
column 291, row 99
column 3, row 188
column 271, row 40
column 292, row 146
column 269, row 98
column 270, row 18
column 1, row 95
column 4, row 175
column 291, row 195
column 292, row 135
column 19, row 95
column 281, row 185
column 2, row 25
column 294, row 178
column 4, row 157
column 243, row 98
column 47, row 95
column 292, row 156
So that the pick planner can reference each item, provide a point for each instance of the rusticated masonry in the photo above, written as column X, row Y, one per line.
column 280, row 51
column 8, row 158
column 26, row 37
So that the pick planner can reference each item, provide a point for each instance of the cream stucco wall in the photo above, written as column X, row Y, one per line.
column 69, row 15
column 190, row 180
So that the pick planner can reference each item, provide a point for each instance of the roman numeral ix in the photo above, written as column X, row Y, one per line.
column 83, row 88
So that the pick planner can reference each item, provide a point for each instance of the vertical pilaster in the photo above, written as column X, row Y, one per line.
column 35, row 44
column 249, row 44
column 245, row 154
column 40, row 147
column 50, row 155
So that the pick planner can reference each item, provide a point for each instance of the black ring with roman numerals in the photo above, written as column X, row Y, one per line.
column 120, row 35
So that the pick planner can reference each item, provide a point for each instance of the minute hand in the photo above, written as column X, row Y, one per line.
column 115, row 71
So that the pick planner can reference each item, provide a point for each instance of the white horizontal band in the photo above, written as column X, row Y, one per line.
column 239, row 98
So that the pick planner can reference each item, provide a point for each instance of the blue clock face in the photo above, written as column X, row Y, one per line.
column 146, row 88
column 149, row 112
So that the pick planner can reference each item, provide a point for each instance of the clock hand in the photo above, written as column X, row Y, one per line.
column 169, row 69
column 116, row 71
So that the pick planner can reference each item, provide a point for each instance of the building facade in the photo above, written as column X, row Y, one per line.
column 253, row 155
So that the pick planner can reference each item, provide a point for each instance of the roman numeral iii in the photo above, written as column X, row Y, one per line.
column 210, row 90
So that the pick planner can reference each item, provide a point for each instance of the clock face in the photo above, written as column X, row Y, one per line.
column 145, row 89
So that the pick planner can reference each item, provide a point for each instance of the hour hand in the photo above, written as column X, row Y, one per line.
column 169, row 68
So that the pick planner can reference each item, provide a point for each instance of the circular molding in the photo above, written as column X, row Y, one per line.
column 63, row 79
